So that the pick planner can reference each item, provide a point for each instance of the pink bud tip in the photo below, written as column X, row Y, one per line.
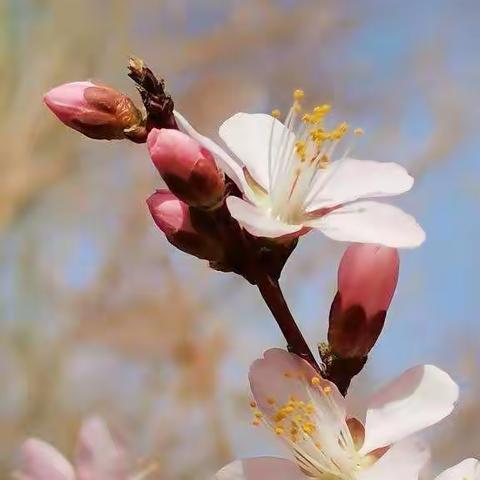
column 172, row 216
column 97, row 111
column 169, row 213
column 367, row 278
column 188, row 169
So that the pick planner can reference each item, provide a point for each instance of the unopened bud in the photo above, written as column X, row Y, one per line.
column 367, row 278
column 172, row 216
column 97, row 111
column 188, row 169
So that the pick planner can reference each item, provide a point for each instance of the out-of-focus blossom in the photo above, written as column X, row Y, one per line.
column 293, row 181
column 469, row 469
column 367, row 278
column 188, row 169
column 97, row 111
column 172, row 216
column 310, row 416
column 98, row 457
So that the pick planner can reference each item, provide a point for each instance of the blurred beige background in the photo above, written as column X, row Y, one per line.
column 98, row 314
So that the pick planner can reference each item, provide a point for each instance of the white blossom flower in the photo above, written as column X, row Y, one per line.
column 469, row 469
column 310, row 417
column 98, row 457
column 293, row 181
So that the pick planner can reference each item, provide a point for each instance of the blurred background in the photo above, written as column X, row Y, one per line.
column 99, row 314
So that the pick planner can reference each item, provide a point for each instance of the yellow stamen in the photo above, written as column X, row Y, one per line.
column 315, row 381
column 276, row 113
column 358, row 132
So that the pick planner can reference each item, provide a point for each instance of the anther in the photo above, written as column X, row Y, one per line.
column 315, row 381
column 276, row 113
column 298, row 94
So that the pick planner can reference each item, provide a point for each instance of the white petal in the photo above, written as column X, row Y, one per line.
column 371, row 222
column 256, row 221
column 469, row 469
column 251, row 138
column 225, row 162
column 349, row 179
column 98, row 455
column 419, row 398
column 260, row 468
column 403, row 461
column 43, row 462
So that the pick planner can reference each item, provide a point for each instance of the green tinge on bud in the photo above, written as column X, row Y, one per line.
column 97, row 111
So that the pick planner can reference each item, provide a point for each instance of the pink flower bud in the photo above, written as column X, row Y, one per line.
column 367, row 278
column 188, row 169
column 97, row 111
column 172, row 216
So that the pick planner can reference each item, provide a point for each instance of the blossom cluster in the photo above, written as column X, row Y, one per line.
column 243, row 207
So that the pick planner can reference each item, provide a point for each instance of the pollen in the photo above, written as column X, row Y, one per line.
column 327, row 390
column 315, row 381
column 293, row 419
column 359, row 132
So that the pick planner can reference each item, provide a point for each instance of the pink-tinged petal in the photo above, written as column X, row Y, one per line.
column 419, row 398
column 255, row 139
column 371, row 222
column 225, row 162
column 98, row 455
column 257, row 222
column 403, row 461
column 43, row 462
column 469, row 469
column 349, row 179
column 261, row 468
column 279, row 375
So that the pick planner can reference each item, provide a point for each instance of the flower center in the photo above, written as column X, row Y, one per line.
column 315, row 429
column 298, row 164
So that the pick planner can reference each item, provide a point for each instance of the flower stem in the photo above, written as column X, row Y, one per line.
column 273, row 297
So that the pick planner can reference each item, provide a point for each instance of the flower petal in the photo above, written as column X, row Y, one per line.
column 98, row 456
column 349, row 179
column 469, row 469
column 260, row 468
column 371, row 222
column 280, row 374
column 224, row 161
column 256, row 138
column 403, row 461
column 257, row 222
column 419, row 398
column 43, row 462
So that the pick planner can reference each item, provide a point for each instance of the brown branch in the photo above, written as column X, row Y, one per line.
column 273, row 297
